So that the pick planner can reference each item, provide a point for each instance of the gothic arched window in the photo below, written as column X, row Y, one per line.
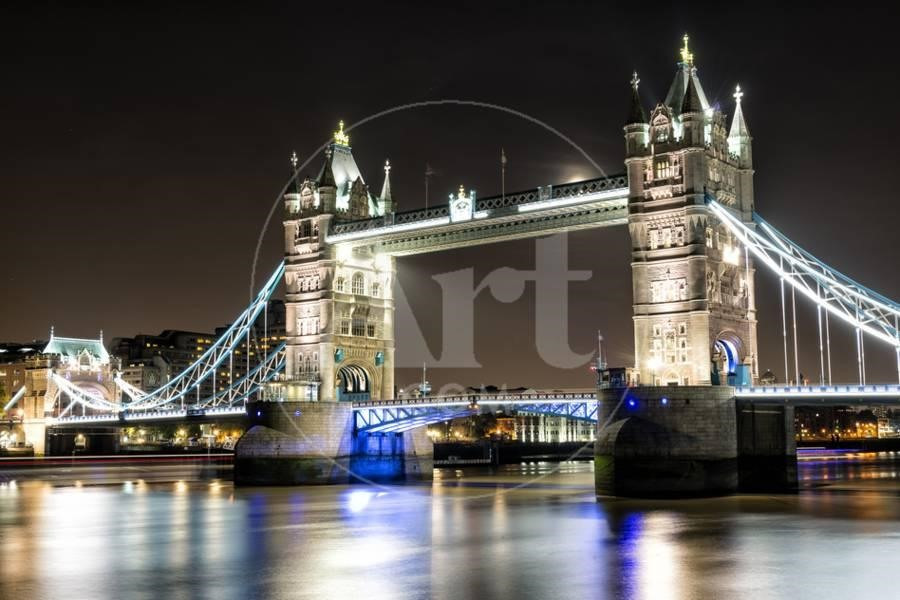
column 359, row 326
column 358, row 284
column 376, row 289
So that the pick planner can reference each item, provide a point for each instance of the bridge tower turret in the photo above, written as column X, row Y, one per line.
column 693, row 286
column 339, row 301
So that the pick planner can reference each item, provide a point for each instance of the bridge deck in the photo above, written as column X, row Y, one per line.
column 585, row 204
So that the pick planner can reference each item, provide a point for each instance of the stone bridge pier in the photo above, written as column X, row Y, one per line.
column 691, row 440
column 310, row 443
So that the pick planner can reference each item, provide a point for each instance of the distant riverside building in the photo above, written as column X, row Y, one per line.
column 547, row 428
column 83, row 365
column 149, row 361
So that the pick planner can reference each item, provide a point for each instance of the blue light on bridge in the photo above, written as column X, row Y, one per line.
column 632, row 403
column 664, row 401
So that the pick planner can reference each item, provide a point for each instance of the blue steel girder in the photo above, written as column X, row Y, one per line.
column 579, row 411
column 403, row 418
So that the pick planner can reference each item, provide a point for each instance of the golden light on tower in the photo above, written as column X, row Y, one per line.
column 687, row 57
column 340, row 137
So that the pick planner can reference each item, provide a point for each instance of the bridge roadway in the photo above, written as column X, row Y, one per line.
column 403, row 414
column 549, row 209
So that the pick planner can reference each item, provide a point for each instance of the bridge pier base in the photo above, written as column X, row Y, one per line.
column 315, row 443
column 690, row 441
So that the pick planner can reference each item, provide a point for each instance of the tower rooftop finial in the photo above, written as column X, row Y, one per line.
column 294, row 161
column 340, row 137
column 687, row 57
column 635, row 80
column 387, row 166
column 738, row 94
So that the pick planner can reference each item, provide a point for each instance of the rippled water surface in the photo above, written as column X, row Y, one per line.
column 525, row 531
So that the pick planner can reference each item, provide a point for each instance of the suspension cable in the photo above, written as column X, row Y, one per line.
column 897, row 349
column 794, row 320
column 828, row 345
column 858, row 348
column 821, row 348
column 784, row 324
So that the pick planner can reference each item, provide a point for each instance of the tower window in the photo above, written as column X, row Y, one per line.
column 359, row 284
column 376, row 289
column 345, row 327
column 662, row 169
column 340, row 285
column 359, row 327
column 370, row 330
column 654, row 239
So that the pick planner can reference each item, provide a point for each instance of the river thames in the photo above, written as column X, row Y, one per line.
column 525, row 531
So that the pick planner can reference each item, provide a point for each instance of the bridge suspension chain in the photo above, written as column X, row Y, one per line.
column 841, row 296
column 204, row 367
column 867, row 311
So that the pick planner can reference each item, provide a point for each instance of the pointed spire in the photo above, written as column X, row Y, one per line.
column 691, row 102
column 386, row 200
column 738, row 125
column 51, row 332
column 340, row 137
column 101, row 337
column 326, row 175
column 294, row 161
column 687, row 57
column 636, row 114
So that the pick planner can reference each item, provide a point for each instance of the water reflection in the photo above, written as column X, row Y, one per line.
column 473, row 533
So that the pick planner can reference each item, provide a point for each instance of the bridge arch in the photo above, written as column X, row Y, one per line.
column 728, row 351
column 354, row 383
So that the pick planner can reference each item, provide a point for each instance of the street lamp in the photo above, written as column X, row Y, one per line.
column 653, row 363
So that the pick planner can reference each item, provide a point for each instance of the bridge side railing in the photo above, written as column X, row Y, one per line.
column 569, row 190
column 479, row 398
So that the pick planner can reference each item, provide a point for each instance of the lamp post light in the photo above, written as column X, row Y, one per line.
column 653, row 363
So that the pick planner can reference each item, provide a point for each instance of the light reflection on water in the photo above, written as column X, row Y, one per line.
column 121, row 532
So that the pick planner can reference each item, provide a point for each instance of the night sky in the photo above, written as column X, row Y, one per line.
column 142, row 150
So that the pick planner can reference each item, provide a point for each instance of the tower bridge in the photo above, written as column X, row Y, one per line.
column 690, row 416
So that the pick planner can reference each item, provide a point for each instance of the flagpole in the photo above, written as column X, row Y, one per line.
column 502, row 175
column 428, row 173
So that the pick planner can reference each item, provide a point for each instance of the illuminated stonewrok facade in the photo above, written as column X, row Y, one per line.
column 693, row 286
column 340, row 305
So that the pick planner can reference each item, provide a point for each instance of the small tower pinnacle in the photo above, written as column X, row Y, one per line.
column 294, row 161
column 340, row 137
column 636, row 114
column 687, row 57
column 387, row 202
column 739, row 134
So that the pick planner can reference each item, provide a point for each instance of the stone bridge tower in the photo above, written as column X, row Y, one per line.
column 339, row 301
column 693, row 285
